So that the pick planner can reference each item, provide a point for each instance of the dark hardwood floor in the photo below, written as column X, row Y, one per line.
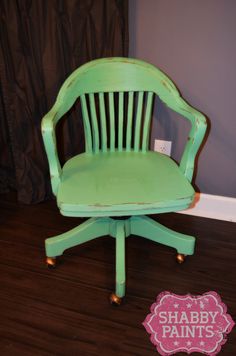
column 66, row 311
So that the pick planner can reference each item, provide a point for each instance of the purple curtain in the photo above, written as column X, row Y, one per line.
column 41, row 43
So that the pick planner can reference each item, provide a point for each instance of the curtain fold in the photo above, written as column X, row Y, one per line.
column 41, row 43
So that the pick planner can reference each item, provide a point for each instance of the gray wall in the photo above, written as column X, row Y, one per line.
column 194, row 42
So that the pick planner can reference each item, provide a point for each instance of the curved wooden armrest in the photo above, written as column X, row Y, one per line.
column 49, row 137
column 195, row 138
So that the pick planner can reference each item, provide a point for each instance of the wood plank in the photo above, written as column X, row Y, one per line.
column 87, row 127
column 112, row 121
column 103, row 122
column 129, row 120
column 121, row 121
column 138, row 122
column 147, row 121
column 94, row 123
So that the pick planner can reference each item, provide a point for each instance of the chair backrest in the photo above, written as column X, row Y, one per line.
column 117, row 96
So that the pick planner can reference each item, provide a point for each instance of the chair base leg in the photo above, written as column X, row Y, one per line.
column 89, row 230
column 119, row 229
column 150, row 229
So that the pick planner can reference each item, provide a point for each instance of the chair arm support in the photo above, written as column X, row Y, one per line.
column 49, row 138
column 195, row 138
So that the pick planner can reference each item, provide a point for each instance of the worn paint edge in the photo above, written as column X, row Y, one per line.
column 213, row 207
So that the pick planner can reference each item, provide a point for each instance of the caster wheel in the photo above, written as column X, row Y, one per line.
column 115, row 300
column 51, row 262
column 180, row 258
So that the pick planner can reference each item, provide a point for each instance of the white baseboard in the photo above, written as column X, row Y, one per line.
column 213, row 206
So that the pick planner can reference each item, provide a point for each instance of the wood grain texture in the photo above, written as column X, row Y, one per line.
column 66, row 311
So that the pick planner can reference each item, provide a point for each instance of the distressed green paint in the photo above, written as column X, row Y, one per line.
column 120, row 180
column 129, row 120
column 138, row 122
column 121, row 121
column 119, row 229
column 94, row 123
column 117, row 182
column 147, row 120
column 87, row 127
column 112, row 122
column 120, row 258
column 146, row 227
column 103, row 122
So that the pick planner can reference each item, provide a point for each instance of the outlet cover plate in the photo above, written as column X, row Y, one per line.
column 163, row 146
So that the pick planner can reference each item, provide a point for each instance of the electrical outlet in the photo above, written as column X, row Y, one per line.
column 163, row 146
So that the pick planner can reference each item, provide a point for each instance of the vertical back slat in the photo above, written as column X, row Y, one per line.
column 138, row 122
column 147, row 120
column 129, row 120
column 87, row 128
column 142, row 121
column 112, row 121
column 121, row 121
column 103, row 122
column 94, row 123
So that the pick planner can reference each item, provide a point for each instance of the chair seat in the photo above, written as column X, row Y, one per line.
column 122, row 184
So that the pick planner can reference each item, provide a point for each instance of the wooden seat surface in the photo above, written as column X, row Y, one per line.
column 121, row 183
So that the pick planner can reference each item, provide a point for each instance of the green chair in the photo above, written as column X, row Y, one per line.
column 118, row 180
